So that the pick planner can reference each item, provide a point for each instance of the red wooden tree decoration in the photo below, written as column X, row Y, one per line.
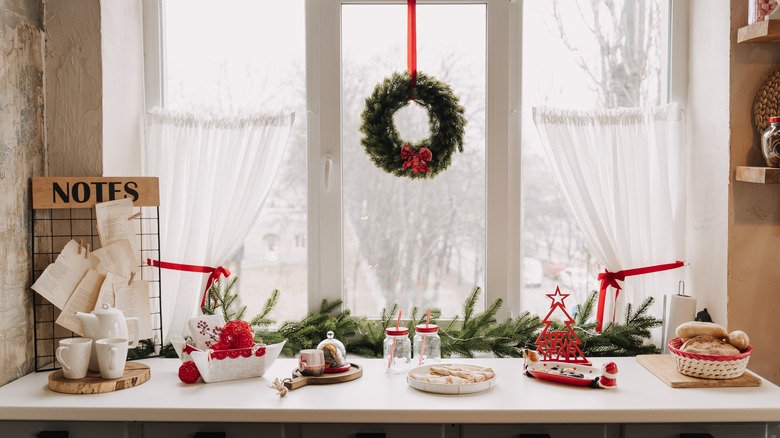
column 560, row 346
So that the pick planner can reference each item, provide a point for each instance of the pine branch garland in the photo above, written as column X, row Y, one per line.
column 467, row 335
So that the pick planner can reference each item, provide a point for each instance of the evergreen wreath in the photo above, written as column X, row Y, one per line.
column 383, row 143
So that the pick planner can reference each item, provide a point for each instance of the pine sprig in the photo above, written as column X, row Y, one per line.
column 221, row 295
column 262, row 319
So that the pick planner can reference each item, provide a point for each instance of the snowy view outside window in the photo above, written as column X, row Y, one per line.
column 417, row 243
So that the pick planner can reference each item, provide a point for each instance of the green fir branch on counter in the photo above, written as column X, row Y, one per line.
column 471, row 334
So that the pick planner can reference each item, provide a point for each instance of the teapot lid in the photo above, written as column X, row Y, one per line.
column 106, row 310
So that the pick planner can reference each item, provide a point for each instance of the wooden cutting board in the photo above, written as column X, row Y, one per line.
column 662, row 365
column 135, row 374
column 298, row 380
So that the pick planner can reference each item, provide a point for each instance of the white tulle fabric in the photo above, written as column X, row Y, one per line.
column 623, row 173
column 215, row 174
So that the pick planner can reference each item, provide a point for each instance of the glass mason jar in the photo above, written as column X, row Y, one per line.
column 427, row 345
column 397, row 350
column 770, row 143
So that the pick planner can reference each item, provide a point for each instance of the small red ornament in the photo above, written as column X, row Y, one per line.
column 237, row 334
column 188, row 372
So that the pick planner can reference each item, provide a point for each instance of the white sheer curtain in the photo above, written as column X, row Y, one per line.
column 622, row 171
column 215, row 174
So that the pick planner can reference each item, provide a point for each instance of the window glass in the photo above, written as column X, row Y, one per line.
column 239, row 56
column 576, row 54
column 413, row 242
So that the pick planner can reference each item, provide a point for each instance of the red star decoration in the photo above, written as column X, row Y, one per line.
column 557, row 297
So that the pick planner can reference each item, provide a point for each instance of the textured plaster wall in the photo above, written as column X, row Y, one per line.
column 74, row 100
column 22, row 155
column 754, row 209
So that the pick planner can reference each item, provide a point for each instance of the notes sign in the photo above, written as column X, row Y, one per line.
column 85, row 192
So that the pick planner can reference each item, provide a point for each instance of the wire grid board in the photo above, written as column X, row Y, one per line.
column 52, row 229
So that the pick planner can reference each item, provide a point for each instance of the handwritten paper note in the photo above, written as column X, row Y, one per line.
column 133, row 300
column 112, row 221
column 59, row 279
column 83, row 300
column 117, row 258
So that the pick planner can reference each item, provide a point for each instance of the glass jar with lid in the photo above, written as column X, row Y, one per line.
column 770, row 143
column 397, row 350
column 427, row 345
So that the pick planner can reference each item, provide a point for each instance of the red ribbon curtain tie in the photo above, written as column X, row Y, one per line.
column 608, row 278
column 214, row 273
column 416, row 159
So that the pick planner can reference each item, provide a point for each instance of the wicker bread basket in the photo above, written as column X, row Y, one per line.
column 708, row 367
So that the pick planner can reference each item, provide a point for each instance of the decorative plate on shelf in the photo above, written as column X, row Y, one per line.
column 451, row 378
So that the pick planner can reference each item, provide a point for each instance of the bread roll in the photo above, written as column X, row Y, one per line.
column 698, row 328
column 739, row 339
column 709, row 345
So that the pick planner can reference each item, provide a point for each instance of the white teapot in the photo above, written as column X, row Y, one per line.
column 108, row 322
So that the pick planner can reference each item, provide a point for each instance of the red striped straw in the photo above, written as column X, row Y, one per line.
column 392, row 351
column 425, row 336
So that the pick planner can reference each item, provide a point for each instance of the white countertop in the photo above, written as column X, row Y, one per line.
column 378, row 397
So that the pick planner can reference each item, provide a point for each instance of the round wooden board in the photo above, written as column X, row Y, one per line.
column 135, row 374
column 354, row 372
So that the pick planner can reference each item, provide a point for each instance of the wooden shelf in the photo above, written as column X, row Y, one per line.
column 760, row 32
column 758, row 175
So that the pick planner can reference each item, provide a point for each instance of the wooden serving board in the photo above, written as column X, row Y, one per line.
column 354, row 372
column 662, row 365
column 135, row 374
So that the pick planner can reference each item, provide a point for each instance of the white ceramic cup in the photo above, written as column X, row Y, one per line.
column 73, row 354
column 111, row 354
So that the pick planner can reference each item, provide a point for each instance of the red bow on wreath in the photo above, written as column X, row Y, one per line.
column 416, row 160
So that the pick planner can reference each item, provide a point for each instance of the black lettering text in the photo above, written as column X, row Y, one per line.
column 64, row 195
column 131, row 190
column 112, row 190
column 99, row 190
column 84, row 192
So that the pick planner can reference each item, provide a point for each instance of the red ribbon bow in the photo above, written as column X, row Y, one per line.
column 416, row 159
column 611, row 279
column 215, row 273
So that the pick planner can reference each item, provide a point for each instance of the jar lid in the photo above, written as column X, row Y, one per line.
column 430, row 328
column 774, row 119
column 392, row 331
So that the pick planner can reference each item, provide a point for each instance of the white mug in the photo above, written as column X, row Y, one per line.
column 73, row 354
column 311, row 362
column 111, row 354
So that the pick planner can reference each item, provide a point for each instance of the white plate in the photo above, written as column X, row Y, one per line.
column 447, row 388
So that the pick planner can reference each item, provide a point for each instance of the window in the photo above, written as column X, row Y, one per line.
column 579, row 54
column 335, row 226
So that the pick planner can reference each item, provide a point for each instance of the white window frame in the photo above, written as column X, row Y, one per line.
column 323, row 58
column 504, row 44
